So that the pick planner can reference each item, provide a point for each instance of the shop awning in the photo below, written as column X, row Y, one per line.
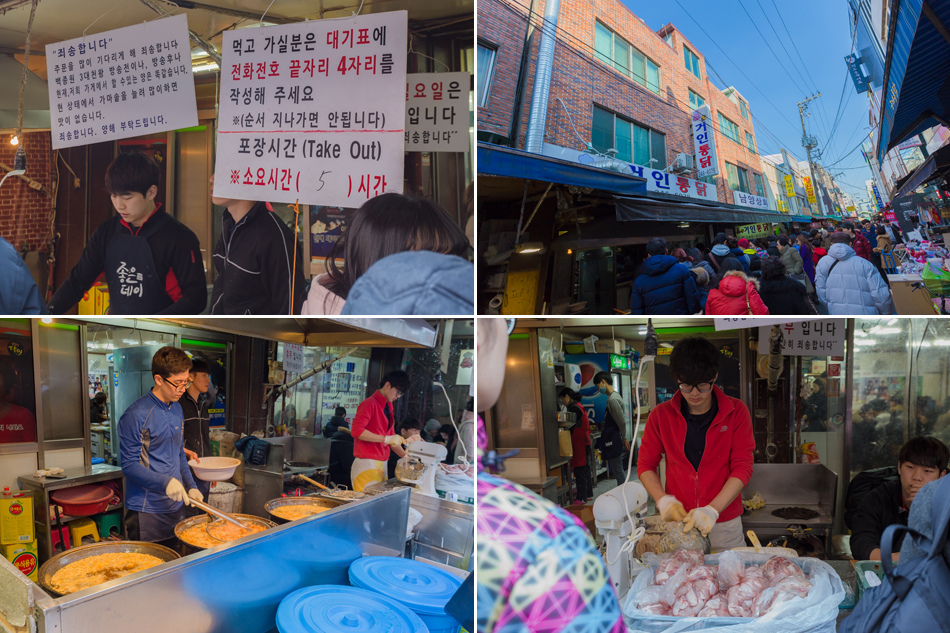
column 916, row 71
column 495, row 160
column 936, row 163
column 324, row 332
column 632, row 209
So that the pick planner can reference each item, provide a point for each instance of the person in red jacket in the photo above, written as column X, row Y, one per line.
column 374, row 431
column 707, row 439
column 580, row 440
column 862, row 247
column 735, row 293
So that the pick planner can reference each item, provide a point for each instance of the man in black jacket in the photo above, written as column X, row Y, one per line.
column 152, row 262
column 921, row 460
column 194, row 408
column 254, row 258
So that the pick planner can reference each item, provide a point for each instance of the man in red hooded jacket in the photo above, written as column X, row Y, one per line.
column 707, row 439
column 862, row 247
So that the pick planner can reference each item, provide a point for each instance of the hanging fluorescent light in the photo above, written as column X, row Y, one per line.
column 14, row 140
column 530, row 247
column 204, row 67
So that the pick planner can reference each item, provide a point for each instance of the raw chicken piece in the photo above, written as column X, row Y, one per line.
column 699, row 585
column 731, row 569
column 657, row 608
column 742, row 597
column 668, row 568
column 790, row 587
column 716, row 607
column 777, row 568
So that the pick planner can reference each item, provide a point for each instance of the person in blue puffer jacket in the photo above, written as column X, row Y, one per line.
column 18, row 291
column 665, row 287
column 849, row 284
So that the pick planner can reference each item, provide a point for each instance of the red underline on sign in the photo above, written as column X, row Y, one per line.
column 309, row 131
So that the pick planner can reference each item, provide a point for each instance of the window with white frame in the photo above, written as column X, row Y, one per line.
column 486, row 67
column 728, row 129
column 614, row 51
column 692, row 61
column 695, row 100
column 738, row 178
column 634, row 143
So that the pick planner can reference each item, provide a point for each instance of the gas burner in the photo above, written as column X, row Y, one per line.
column 795, row 513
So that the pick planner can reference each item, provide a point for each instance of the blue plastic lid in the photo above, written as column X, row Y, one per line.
column 97, row 460
column 334, row 608
column 423, row 588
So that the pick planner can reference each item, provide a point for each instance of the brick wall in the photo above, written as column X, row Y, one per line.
column 25, row 212
column 580, row 81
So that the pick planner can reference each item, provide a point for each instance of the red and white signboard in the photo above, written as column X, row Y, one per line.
column 662, row 182
column 313, row 111
column 704, row 142
column 437, row 114
column 120, row 84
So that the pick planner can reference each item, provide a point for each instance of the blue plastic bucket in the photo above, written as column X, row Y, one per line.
column 334, row 608
column 423, row 588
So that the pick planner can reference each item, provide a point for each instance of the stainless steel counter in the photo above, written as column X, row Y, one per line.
column 232, row 589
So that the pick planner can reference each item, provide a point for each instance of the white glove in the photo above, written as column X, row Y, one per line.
column 195, row 494
column 671, row 509
column 703, row 519
column 395, row 440
column 176, row 491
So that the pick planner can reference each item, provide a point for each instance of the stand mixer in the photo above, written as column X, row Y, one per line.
column 618, row 515
column 420, row 466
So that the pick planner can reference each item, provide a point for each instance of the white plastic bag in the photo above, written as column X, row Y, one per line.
column 815, row 613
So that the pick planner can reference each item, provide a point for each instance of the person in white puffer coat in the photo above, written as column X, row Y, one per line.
column 849, row 284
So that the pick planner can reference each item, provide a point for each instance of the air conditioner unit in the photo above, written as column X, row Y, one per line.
column 683, row 163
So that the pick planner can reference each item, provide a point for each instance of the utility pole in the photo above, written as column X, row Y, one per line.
column 810, row 143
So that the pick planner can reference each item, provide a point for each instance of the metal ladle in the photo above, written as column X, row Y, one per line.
column 217, row 513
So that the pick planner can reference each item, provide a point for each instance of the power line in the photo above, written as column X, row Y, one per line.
column 769, row 46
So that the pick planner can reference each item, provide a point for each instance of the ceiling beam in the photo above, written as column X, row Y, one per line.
column 6, row 5
column 187, row 4
column 5, row 50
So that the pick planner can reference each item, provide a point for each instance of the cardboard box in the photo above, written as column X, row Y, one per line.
column 16, row 519
column 586, row 514
column 24, row 557
column 95, row 301
column 610, row 346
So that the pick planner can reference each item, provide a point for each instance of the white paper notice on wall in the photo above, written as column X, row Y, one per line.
column 293, row 358
column 821, row 337
column 313, row 111
column 437, row 115
column 120, row 84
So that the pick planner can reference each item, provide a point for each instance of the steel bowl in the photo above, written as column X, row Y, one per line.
column 190, row 548
column 297, row 501
column 346, row 496
column 54, row 564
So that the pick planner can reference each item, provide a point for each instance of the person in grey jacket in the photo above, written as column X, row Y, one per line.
column 849, row 284
column 794, row 263
column 18, row 291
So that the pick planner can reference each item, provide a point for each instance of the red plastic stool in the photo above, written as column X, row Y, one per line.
column 55, row 543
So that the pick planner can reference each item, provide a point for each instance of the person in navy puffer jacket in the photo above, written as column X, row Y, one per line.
column 665, row 287
column 18, row 291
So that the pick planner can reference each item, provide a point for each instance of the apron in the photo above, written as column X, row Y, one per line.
column 727, row 535
column 134, row 285
column 366, row 471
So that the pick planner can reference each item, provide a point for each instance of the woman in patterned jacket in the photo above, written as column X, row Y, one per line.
column 538, row 568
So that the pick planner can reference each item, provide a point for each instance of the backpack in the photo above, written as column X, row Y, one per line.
column 914, row 597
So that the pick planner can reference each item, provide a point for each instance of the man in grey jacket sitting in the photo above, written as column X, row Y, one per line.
column 848, row 284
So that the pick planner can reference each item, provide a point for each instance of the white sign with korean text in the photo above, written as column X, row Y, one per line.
column 437, row 114
column 119, row 84
column 822, row 337
column 662, row 182
column 748, row 200
column 293, row 358
column 741, row 323
column 704, row 142
column 313, row 111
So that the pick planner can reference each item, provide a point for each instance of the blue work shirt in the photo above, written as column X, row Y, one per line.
column 151, row 452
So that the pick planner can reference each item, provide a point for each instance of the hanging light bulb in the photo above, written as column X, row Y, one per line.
column 14, row 140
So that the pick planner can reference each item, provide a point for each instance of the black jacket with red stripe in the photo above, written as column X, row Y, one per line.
column 175, row 252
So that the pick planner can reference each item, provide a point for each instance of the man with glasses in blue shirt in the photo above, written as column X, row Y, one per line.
column 152, row 456
column 706, row 437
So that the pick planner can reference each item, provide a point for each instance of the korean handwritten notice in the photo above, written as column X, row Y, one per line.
column 119, row 84
column 437, row 115
column 313, row 111
column 810, row 338
column 704, row 141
